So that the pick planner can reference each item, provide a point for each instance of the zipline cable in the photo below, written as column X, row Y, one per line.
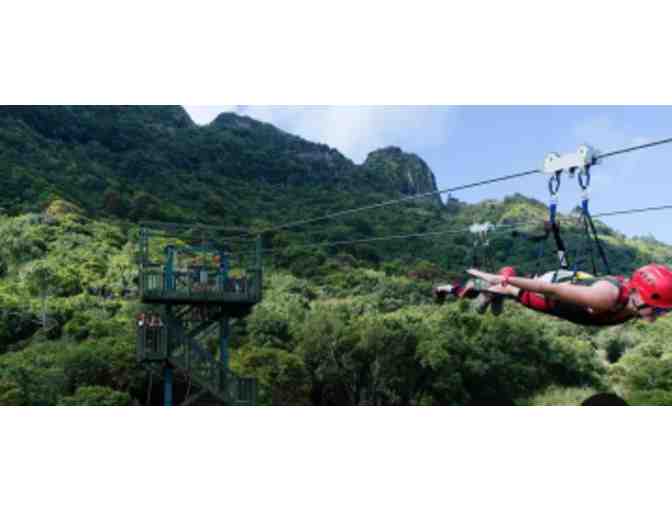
column 447, row 190
column 633, row 148
column 498, row 227
column 632, row 211
column 375, row 239
column 394, row 202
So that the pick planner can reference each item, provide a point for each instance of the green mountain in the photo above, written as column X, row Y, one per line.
column 340, row 323
column 406, row 173
column 154, row 163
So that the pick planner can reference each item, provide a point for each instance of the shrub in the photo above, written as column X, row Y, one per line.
column 557, row 396
column 474, row 358
column 96, row 396
column 281, row 376
column 645, row 373
column 59, row 208
column 650, row 398
column 78, row 328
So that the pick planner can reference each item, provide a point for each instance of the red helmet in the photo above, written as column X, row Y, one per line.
column 654, row 284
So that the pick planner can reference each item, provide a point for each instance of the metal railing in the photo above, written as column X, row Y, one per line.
column 203, row 286
column 152, row 343
column 242, row 390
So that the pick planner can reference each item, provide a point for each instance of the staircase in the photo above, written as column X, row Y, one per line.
column 204, row 369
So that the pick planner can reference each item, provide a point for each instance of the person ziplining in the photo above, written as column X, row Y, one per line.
column 572, row 295
column 590, row 301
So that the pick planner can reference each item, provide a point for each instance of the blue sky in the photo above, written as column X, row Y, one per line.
column 465, row 144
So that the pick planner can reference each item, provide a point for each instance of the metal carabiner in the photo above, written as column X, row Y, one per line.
column 584, row 172
column 554, row 184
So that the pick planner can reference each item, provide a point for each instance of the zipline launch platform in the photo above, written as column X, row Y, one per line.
column 201, row 279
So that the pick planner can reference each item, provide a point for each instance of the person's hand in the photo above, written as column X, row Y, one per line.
column 492, row 279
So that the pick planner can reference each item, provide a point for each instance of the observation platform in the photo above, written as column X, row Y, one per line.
column 199, row 267
column 201, row 287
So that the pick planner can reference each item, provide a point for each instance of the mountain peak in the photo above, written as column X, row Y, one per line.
column 390, row 150
column 409, row 173
column 230, row 120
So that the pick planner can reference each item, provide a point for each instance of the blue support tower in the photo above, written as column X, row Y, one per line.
column 224, row 342
column 167, row 385
column 224, row 321
column 223, row 352
column 169, row 268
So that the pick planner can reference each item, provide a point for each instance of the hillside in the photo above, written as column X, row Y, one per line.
column 344, row 324
column 154, row 163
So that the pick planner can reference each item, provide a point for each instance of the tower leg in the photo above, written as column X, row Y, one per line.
column 223, row 350
column 167, row 385
column 224, row 341
column 167, row 368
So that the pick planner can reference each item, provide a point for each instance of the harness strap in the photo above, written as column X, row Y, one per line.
column 623, row 290
column 560, row 246
column 589, row 225
column 554, row 188
column 589, row 245
column 482, row 244
column 598, row 243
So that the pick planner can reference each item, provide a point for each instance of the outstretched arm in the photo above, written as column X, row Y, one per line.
column 599, row 297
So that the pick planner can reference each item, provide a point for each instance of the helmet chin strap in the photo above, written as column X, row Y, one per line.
column 655, row 312
column 637, row 300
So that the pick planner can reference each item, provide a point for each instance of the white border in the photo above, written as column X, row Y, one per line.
column 334, row 53
column 334, row 458
column 350, row 52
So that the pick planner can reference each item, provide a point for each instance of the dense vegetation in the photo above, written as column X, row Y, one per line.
column 346, row 324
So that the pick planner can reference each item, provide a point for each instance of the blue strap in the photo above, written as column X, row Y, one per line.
column 584, row 207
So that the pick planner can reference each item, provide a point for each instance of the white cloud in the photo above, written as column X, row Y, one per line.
column 358, row 130
column 604, row 135
column 354, row 130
